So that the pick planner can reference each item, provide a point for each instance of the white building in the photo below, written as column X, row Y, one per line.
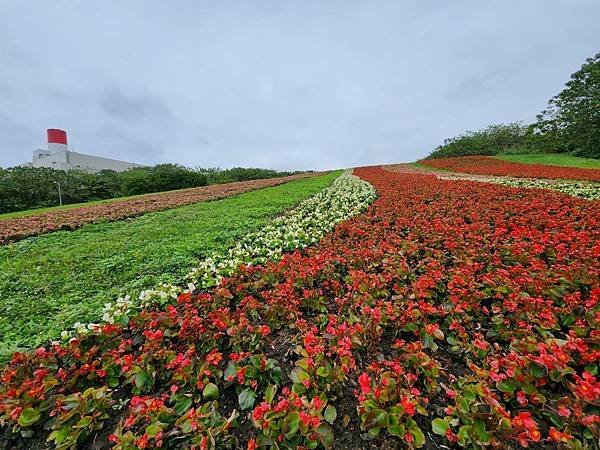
column 58, row 156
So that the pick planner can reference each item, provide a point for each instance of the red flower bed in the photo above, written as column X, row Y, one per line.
column 450, row 313
column 68, row 219
column 485, row 165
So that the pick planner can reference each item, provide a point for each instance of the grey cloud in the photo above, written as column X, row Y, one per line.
column 283, row 84
column 127, row 107
column 139, row 148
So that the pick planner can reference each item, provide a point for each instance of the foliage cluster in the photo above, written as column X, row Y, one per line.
column 49, row 282
column 492, row 140
column 570, row 124
column 23, row 188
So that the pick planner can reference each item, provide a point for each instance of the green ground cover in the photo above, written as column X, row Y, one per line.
column 49, row 282
column 553, row 159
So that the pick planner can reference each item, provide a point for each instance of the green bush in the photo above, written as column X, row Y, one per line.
column 492, row 140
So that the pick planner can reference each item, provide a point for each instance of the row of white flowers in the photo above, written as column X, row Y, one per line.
column 583, row 189
column 300, row 227
column 306, row 224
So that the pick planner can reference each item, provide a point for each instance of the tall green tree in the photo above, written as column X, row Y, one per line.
column 571, row 123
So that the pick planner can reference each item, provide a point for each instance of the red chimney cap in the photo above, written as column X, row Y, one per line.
column 56, row 136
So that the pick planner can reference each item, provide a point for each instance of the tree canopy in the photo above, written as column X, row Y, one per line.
column 572, row 119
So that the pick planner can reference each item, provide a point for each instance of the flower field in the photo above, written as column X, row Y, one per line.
column 485, row 165
column 50, row 282
column 449, row 313
column 299, row 227
column 14, row 229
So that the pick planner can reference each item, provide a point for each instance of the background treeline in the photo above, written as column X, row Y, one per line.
column 570, row 124
column 24, row 188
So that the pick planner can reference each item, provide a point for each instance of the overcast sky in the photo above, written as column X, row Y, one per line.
column 280, row 84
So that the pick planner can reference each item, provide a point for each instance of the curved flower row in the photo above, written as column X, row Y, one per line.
column 303, row 225
column 587, row 190
column 485, row 165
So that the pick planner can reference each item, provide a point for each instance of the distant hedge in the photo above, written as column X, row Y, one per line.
column 492, row 140
column 570, row 124
column 24, row 188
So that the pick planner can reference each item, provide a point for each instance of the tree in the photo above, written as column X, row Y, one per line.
column 492, row 140
column 571, row 123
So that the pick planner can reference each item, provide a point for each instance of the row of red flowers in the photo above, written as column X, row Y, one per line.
column 450, row 313
column 68, row 219
column 485, row 165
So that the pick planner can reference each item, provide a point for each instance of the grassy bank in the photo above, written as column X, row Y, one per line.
column 553, row 159
column 49, row 282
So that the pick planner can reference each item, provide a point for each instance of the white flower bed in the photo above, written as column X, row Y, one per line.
column 300, row 227
column 583, row 189
column 306, row 224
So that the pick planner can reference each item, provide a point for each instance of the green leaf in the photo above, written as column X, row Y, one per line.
column 326, row 434
column 528, row 388
column 290, row 424
column 479, row 432
column 538, row 370
column 330, row 414
column 270, row 393
column 183, row 404
column 428, row 342
column 298, row 388
column 506, row 386
column 439, row 426
column 59, row 435
column 210, row 391
column 592, row 368
column 397, row 430
column 298, row 375
column 463, row 435
column 28, row 417
column 84, row 422
column 322, row 372
column 142, row 379
column 246, row 399
column 418, row 436
column 153, row 429
column 452, row 340
column 375, row 419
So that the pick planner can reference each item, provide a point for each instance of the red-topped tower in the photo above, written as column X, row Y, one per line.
column 57, row 140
